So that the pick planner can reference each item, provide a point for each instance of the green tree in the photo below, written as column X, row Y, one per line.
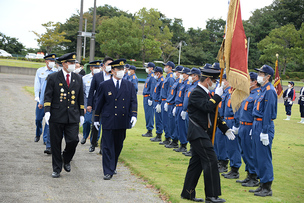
column 149, row 23
column 286, row 41
column 118, row 36
column 10, row 44
column 52, row 37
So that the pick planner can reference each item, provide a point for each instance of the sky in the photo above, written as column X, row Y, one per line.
column 19, row 17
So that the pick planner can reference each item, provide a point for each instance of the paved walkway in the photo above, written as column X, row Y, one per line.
column 25, row 171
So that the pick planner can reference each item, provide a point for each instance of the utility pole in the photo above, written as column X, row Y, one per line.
column 179, row 54
column 92, row 43
column 84, row 42
column 79, row 40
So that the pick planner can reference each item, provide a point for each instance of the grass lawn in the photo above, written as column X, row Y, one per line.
column 165, row 169
column 21, row 63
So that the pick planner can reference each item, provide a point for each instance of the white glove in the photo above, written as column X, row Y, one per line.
column 235, row 130
column 229, row 134
column 47, row 116
column 174, row 111
column 219, row 90
column 183, row 115
column 133, row 121
column 158, row 108
column 37, row 99
column 81, row 120
column 166, row 106
column 150, row 102
column 250, row 133
column 96, row 124
column 290, row 103
column 264, row 139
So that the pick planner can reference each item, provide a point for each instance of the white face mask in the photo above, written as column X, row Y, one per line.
column 212, row 86
column 289, row 86
column 71, row 67
column 51, row 64
column 174, row 75
column 190, row 79
column 120, row 74
column 77, row 70
column 156, row 77
column 223, row 84
column 166, row 70
column 129, row 72
column 96, row 70
column 260, row 80
column 181, row 77
column 147, row 70
column 108, row 68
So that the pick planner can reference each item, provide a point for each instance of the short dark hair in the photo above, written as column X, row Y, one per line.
column 258, row 84
column 203, row 78
column 107, row 58
column 270, row 79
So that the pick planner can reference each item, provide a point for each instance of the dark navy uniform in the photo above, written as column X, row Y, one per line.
column 65, row 105
column 115, row 108
column 289, row 96
column 301, row 103
column 157, row 100
column 133, row 78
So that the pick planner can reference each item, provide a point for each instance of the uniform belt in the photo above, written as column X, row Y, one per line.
column 179, row 104
column 170, row 103
column 260, row 119
column 156, row 100
column 229, row 118
column 164, row 99
column 245, row 123
column 146, row 95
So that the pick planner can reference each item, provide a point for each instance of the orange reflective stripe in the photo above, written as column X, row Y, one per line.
column 220, row 105
column 189, row 94
column 212, row 93
column 179, row 104
column 146, row 95
column 180, row 94
column 258, row 106
column 146, row 85
column 155, row 90
column 229, row 103
column 246, row 106
column 163, row 85
column 172, row 92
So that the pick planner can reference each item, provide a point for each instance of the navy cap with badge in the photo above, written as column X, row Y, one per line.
column 127, row 66
column 178, row 68
column 266, row 69
column 50, row 57
column 97, row 63
column 211, row 73
column 69, row 57
column 207, row 66
column 119, row 63
column 132, row 67
column 150, row 64
column 292, row 83
column 194, row 71
column 185, row 70
column 216, row 66
column 253, row 76
column 158, row 69
column 169, row 63
column 57, row 61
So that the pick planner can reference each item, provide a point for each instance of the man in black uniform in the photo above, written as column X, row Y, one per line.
column 64, row 110
column 201, row 110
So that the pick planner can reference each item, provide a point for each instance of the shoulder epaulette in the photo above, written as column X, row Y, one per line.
column 171, row 76
column 188, row 82
column 152, row 75
column 162, row 79
column 268, row 87
column 133, row 76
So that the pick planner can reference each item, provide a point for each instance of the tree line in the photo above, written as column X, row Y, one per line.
column 148, row 35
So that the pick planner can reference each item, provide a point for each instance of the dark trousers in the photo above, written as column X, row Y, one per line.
column 112, row 144
column 288, row 109
column 203, row 159
column 70, row 132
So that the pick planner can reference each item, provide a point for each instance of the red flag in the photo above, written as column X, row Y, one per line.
column 277, row 80
column 236, row 55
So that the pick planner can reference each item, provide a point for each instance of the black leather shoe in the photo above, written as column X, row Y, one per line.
column 92, row 148
column 67, row 167
column 214, row 199
column 44, row 143
column 37, row 139
column 188, row 153
column 258, row 189
column 194, row 199
column 55, row 175
column 148, row 134
column 167, row 141
column 107, row 177
column 83, row 141
column 182, row 148
column 48, row 151
column 172, row 144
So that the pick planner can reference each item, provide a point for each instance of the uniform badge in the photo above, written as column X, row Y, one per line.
column 109, row 93
column 64, row 94
column 61, row 90
column 73, row 80
column 60, row 100
column 61, row 94
column 72, row 102
column 60, row 84
column 64, row 97
column 73, row 97
column 73, row 92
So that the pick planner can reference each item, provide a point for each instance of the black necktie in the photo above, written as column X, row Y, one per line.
column 117, row 86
